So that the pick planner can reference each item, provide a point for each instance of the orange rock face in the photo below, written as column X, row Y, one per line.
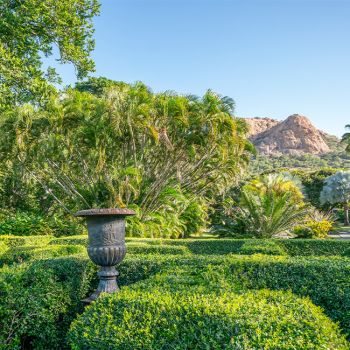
column 295, row 135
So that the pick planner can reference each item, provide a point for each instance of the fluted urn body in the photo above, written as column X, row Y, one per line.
column 106, row 230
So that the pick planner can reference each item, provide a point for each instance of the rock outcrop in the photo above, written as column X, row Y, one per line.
column 296, row 135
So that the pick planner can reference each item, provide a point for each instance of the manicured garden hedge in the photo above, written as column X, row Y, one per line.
column 291, row 247
column 24, row 253
column 315, row 247
column 39, row 300
column 135, row 320
column 42, row 286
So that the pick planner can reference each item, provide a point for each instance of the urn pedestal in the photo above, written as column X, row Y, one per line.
column 106, row 230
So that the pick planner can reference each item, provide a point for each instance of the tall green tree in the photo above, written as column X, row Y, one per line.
column 336, row 190
column 29, row 31
column 165, row 155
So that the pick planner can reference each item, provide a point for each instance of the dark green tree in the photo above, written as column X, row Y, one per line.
column 346, row 138
column 29, row 31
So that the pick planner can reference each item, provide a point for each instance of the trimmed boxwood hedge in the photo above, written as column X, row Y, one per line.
column 325, row 280
column 21, row 254
column 291, row 247
column 314, row 247
column 39, row 300
column 136, row 320
column 141, row 248
column 3, row 248
column 14, row 241
column 268, row 247
column 76, row 240
column 51, row 288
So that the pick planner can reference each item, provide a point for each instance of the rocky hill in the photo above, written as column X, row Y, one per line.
column 293, row 136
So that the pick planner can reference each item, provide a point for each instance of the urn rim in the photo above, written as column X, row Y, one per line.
column 105, row 212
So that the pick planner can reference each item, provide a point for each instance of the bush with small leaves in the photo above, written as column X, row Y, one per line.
column 313, row 229
column 268, row 247
column 156, row 320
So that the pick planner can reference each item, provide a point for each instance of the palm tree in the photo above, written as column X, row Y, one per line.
column 271, row 205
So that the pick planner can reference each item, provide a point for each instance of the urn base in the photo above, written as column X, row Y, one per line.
column 107, row 284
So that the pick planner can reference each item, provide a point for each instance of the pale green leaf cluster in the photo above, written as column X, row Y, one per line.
column 336, row 188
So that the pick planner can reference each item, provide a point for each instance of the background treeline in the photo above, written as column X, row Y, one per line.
column 335, row 159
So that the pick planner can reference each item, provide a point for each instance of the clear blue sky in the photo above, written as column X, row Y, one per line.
column 275, row 58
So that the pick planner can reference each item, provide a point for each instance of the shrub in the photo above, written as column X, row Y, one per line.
column 313, row 229
column 157, row 320
column 24, row 253
column 75, row 240
column 52, row 288
column 67, row 226
column 156, row 249
column 39, row 301
column 312, row 247
column 15, row 241
column 271, row 205
column 3, row 248
column 324, row 280
column 268, row 247
column 24, row 224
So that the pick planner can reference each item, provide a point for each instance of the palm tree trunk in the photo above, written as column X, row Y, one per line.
column 346, row 214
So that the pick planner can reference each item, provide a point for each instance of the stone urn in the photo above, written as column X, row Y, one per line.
column 106, row 230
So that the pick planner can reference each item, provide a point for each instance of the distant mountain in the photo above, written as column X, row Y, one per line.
column 293, row 136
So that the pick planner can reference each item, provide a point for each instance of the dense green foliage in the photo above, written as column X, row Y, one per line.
column 306, row 162
column 269, row 205
column 47, row 277
column 39, row 300
column 313, row 229
column 313, row 181
column 268, row 247
column 25, row 224
column 30, row 30
column 156, row 320
column 346, row 139
column 164, row 155
column 336, row 190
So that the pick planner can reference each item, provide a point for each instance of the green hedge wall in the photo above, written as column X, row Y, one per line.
column 41, row 289
column 263, row 320
column 314, row 247
column 39, row 301
column 21, row 254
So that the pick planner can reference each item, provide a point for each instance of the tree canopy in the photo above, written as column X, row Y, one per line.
column 163, row 154
column 29, row 31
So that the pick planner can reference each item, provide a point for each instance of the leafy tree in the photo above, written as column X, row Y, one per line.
column 346, row 138
column 165, row 155
column 98, row 86
column 336, row 190
column 271, row 205
column 29, row 30
column 312, row 182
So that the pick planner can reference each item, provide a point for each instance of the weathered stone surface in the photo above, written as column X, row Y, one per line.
column 259, row 125
column 296, row 135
